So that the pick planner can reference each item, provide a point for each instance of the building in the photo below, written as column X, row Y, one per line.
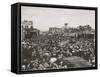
column 26, row 23
column 55, row 30
column 84, row 27
column 86, row 32
column 43, row 33
column 28, row 31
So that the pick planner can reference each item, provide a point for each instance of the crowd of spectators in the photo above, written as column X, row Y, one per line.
column 49, row 52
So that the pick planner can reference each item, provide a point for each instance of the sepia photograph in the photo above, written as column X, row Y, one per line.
column 57, row 38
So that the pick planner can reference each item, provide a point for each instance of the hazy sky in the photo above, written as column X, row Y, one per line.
column 43, row 18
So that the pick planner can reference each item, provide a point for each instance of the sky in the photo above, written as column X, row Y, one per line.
column 43, row 18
